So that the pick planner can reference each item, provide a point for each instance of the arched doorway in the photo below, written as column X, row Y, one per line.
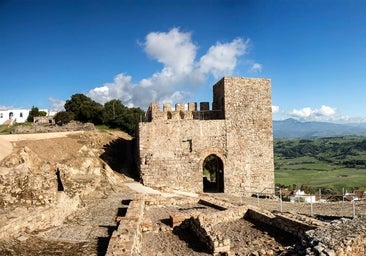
column 213, row 174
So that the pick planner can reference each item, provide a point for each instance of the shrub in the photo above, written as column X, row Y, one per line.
column 63, row 117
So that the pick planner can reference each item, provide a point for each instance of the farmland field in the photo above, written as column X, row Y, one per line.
column 332, row 164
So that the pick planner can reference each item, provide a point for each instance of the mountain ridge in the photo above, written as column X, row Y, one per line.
column 292, row 128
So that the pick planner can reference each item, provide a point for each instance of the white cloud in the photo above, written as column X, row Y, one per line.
column 256, row 68
column 326, row 111
column 319, row 114
column 322, row 114
column 56, row 105
column 275, row 109
column 302, row 113
column 221, row 58
column 178, row 54
column 174, row 49
column 121, row 88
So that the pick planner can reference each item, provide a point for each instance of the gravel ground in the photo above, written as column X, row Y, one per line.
column 87, row 232
column 245, row 237
column 163, row 240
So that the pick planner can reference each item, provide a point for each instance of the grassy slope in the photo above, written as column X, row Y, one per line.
column 332, row 163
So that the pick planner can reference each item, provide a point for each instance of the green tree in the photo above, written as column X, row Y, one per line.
column 63, row 117
column 32, row 113
column 210, row 165
column 128, row 120
column 42, row 113
column 84, row 109
column 112, row 110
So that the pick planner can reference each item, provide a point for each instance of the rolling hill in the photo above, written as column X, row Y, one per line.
column 292, row 128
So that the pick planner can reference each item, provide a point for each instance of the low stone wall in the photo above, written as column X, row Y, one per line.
column 46, row 128
column 157, row 199
column 344, row 237
column 23, row 220
column 216, row 204
column 203, row 226
column 293, row 224
column 339, row 238
column 126, row 240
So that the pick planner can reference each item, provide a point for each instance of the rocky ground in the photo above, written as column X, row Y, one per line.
column 101, row 192
column 245, row 237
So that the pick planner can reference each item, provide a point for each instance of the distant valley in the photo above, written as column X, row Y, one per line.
column 332, row 163
column 292, row 128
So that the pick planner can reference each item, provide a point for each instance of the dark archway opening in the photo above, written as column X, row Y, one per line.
column 213, row 174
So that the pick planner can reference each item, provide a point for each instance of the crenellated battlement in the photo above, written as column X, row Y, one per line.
column 182, row 111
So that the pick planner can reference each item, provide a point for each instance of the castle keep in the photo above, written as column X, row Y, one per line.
column 228, row 148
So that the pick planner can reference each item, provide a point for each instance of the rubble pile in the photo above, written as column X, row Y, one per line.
column 43, row 183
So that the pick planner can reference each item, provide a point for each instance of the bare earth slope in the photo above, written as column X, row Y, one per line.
column 69, row 214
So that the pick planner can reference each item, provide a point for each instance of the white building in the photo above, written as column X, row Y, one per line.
column 11, row 116
column 300, row 196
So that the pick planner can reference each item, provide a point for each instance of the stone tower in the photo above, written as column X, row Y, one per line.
column 228, row 148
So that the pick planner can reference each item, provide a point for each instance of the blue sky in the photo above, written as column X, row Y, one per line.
column 314, row 52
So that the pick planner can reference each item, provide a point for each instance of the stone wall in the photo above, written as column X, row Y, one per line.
column 172, row 152
column 173, row 144
column 296, row 225
column 344, row 237
column 203, row 227
column 126, row 240
column 47, row 127
column 339, row 238
column 41, row 217
column 249, row 138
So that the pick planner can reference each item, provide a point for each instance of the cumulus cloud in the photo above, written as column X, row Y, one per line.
column 56, row 105
column 181, row 68
column 173, row 49
column 121, row 88
column 256, row 68
column 275, row 109
column 222, row 58
column 325, row 111
column 308, row 113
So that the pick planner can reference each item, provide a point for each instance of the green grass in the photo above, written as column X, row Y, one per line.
column 102, row 127
column 4, row 129
column 330, row 163
column 338, row 179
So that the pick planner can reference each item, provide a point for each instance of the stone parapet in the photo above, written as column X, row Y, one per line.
column 182, row 111
column 126, row 240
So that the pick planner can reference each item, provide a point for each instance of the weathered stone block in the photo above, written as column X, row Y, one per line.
column 176, row 219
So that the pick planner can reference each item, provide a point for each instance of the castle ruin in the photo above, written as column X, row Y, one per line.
column 226, row 149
